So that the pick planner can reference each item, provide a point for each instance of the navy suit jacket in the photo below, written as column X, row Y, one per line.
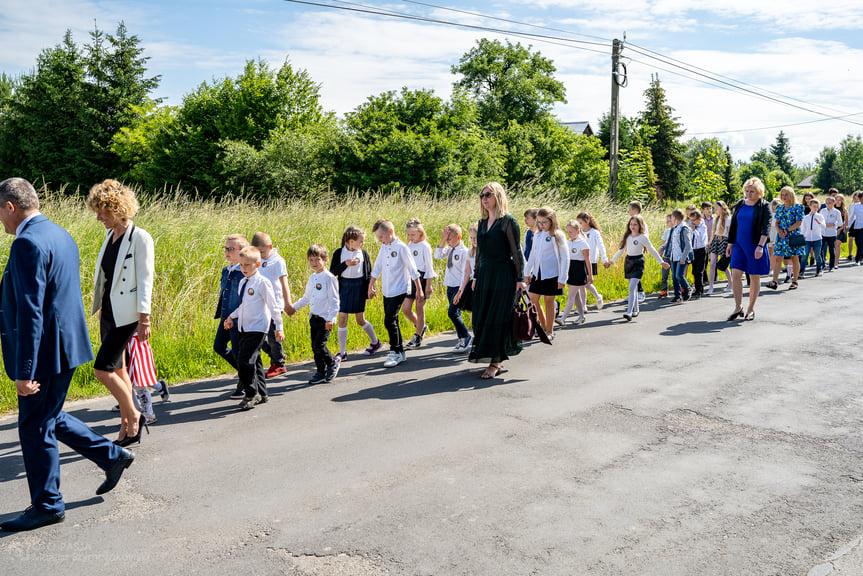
column 43, row 329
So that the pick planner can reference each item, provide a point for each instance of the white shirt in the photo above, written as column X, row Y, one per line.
column 699, row 236
column 665, row 235
column 395, row 267
column 548, row 258
column 813, row 226
column 597, row 246
column 833, row 217
column 422, row 254
column 257, row 305
column 455, row 265
column 577, row 246
column 635, row 246
column 724, row 232
column 708, row 223
column 322, row 294
column 472, row 261
column 272, row 269
column 855, row 216
column 353, row 272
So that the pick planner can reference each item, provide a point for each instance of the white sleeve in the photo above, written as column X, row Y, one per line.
column 427, row 256
column 652, row 250
column 441, row 253
column 306, row 298
column 408, row 262
column 531, row 261
column 601, row 244
column 562, row 257
column 333, row 294
column 270, row 303
column 376, row 270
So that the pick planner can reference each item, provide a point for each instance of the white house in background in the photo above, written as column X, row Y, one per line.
column 579, row 127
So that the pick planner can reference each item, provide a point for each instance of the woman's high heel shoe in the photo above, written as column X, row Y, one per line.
column 735, row 315
column 128, row 440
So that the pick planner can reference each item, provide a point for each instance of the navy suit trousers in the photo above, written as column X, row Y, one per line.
column 41, row 423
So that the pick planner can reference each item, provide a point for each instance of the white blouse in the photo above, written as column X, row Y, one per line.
column 635, row 246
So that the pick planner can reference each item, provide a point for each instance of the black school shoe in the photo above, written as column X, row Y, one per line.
column 317, row 378
column 31, row 519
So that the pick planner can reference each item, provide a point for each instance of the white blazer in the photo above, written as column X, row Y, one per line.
column 132, row 285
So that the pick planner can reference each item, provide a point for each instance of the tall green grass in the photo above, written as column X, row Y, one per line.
column 189, row 235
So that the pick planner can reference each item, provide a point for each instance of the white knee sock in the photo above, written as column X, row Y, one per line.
column 593, row 291
column 370, row 330
column 570, row 301
column 343, row 339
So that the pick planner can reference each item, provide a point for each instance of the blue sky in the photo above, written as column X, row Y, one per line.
column 796, row 49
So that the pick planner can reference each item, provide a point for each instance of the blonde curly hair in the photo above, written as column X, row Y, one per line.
column 112, row 197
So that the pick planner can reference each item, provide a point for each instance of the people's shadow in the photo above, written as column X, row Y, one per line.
column 698, row 327
column 463, row 381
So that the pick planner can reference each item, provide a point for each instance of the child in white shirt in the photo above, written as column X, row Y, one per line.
column 813, row 227
column 254, row 314
column 274, row 269
column 397, row 271
column 593, row 234
column 580, row 275
column 464, row 297
column 634, row 244
column 547, row 266
column 453, row 250
column 420, row 251
column 322, row 297
column 833, row 222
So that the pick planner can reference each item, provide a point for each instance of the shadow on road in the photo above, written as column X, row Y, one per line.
column 699, row 327
column 461, row 381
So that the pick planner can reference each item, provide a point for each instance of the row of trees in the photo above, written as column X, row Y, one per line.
column 85, row 113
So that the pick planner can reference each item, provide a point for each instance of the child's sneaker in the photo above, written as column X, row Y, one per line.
column 341, row 357
column 165, row 394
column 248, row 403
column 641, row 297
column 332, row 372
column 262, row 399
column 463, row 345
column 394, row 359
column 276, row 370
column 599, row 302
column 238, row 394
column 662, row 294
column 317, row 378
column 373, row 348
column 415, row 341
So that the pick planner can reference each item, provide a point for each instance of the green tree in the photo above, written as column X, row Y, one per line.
column 414, row 139
column 826, row 176
column 187, row 146
column 732, row 179
column 849, row 165
column 781, row 152
column 510, row 83
column 628, row 137
column 707, row 175
column 765, row 157
column 665, row 147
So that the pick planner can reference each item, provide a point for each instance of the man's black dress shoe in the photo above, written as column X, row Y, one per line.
column 31, row 519
column 113, row 474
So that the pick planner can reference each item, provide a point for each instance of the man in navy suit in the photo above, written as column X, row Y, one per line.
column 43, row 332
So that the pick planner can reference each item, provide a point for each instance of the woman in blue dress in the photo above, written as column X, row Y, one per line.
column 789, row 240
column 747, row 239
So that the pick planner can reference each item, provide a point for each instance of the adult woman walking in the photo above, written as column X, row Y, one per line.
column 499, row 273
column 747, row 238
column 122, row 289
column 790, row 244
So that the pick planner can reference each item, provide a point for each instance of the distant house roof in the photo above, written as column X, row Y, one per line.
column 808, row 182
column 579, row 127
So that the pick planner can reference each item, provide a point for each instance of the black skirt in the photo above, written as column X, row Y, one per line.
column 633, row 267
column 114, row 341
column 545, row 287
column 353, row 293
column 577, row 273
column 466, row 300
column 412, row 287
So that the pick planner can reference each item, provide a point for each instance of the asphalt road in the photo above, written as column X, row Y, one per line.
column 678, row 444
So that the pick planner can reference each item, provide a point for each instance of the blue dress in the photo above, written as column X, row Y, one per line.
column 785, row 218
column 743, row 250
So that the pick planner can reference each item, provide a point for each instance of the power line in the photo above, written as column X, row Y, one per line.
column 777, row 126
column 354, row 7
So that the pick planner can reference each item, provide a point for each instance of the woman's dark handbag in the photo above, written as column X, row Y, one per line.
column 723, row 262
column 466, row 301
column 525, row 324
column 796, row 241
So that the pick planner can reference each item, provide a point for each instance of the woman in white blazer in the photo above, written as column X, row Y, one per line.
column 122, row 292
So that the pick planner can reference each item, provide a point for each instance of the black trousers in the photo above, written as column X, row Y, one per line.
column 858, row 239
column 220, row 344
column 698, row 264
column 320, row 337
column 272, row 348
column 392, row 307
column 250, row 368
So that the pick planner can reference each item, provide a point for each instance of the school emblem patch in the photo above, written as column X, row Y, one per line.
column 548, row 238
column 318, row 286
column 393, row 253
column 264, row 265
column 251, row 291
column 575, row 250
column 416, row 252
column 456, row 257
column 635, row 242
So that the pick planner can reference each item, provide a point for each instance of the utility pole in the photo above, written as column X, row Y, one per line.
column 616, row 48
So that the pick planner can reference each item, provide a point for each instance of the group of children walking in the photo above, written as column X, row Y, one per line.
column 254, row 290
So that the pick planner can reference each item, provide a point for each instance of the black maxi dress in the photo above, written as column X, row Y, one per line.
column 499, row 265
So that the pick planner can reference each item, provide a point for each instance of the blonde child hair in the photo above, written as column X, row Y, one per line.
column 251, row 254
column 238, row 239
column 415, row 224
column 473, row 228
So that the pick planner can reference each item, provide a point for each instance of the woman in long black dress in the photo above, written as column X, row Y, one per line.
column 499, row 273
